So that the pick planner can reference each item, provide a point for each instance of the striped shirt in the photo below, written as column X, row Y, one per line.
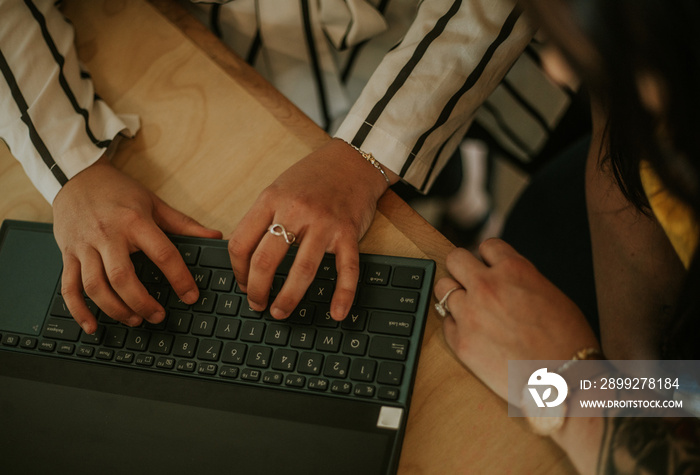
column 409, row 107
column 50, row 118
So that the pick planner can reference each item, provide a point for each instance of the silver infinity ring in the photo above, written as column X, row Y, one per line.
column 278, row 230
column 441, row 306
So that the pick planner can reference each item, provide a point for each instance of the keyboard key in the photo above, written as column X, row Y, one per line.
column 164, row 362
column 222, row 281
column 161, row 344
column 248, row 312
column 388, row 348
column 229, row 372
column 303, row 338
column 95, row 338
column 272, row 377
column 184, row 346
column 85, row 351
column 28, row 342
column 389, row 299
column 408, row 277
column 209, row 350
column 66, row 348
column 186, row 366
column 250, row 374
column 205, row 303
column 320, row 291
column 336, row 366
column 209, row 369
column 160, row 294
column 233, row 353
column 201, row 277
column 328, row 340
column 390, row 373
column 203, row 325
column 174, row 302
column 145, row 360
column 59, row 308
column 228, row 328
column 252, row 331
column 295, row 381
column 215, row 257
column 137, row 340
column 341, row 387
column 355, row 344
column 302, row 315
column 364, row 390
column 58, row 328
column 323, row 318
column 115, row 337
column 103, row 354
column 189, row 253
column 318, row 384
column 327, row 269
column 259, row 356
column 355, row 320
column 310, row 363
column 377, row 274
column 390, row 394
column 125, row 357
column 277, row 334
column 284, row 360
column 391, row 323
column 47, row 345
column 363, row 370
column 179, row 322
column 228, row 305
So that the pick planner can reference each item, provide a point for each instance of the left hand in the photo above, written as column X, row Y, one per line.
column 509, row 311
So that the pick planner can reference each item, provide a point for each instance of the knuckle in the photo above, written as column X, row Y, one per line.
column 119, row 275
column 93, row 285
column 305, row 268
column 163, row 253
column 264, row 261
column 236, row 247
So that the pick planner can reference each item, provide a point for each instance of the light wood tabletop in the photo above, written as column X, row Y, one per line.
column 213, row 135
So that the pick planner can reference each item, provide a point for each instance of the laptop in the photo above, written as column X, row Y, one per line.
column 217, row 386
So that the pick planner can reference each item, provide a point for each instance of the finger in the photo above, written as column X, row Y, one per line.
column 456, row 293
column 122, row 278
column 263, row 264
column 494, row 250
column 173, row 221
column 462, row 264
column 98, row 289
column 72, row 293
column 244, row 241
column 347, row 261
column 163, row 253
column 301, row 274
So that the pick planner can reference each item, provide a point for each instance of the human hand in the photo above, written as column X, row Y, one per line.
column 509, row 311
column 101, row 216
column 327, row 200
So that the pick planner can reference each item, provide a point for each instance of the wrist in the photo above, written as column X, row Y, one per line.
column 371, row 164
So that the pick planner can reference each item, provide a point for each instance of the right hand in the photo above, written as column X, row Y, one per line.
column 101, row 216
column 327, row 200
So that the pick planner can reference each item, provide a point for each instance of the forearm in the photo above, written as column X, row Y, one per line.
column 49, row 116
column 637, row 273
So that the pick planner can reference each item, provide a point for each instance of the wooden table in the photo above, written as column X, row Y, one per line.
column 213, row 135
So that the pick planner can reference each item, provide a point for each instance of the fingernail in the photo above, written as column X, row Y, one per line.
column 134, row 321
column 157, row 317
column 277, row 313
column 190, row 297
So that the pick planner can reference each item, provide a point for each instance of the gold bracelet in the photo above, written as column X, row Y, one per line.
column 589, row 353
column 370, row 158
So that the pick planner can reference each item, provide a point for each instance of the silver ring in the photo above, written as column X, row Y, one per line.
column 441, row 306
column 278, row 230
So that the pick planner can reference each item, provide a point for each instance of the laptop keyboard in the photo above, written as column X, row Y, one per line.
column 371, row 355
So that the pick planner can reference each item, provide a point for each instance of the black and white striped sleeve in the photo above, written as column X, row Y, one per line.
column 420, row 101
column 50, row 117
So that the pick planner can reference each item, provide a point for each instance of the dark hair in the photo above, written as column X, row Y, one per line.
column 656, row 40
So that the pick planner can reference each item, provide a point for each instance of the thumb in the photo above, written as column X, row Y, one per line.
column 173, row 221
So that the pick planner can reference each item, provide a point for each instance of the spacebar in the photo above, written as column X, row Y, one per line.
column 61, row 329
